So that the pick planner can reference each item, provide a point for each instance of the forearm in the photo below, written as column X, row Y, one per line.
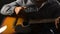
column 7, row 10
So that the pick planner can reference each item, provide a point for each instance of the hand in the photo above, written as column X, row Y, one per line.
column 18, row 9
column 57, row 22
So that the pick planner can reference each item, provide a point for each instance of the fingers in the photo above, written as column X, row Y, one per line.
column 57, row 22
column 18, row 9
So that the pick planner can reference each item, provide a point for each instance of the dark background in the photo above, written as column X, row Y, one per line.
column 3, row 2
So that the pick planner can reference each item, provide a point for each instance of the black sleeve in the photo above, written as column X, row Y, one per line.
column 31, row 15
column 57, row 12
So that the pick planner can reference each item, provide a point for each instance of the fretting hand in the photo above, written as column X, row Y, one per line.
column 18, row 9
column 57, row 20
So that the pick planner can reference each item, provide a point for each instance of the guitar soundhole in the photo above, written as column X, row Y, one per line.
column 26, row 23
column 20, row 29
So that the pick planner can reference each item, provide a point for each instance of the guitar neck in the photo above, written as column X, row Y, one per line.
column 41, row 21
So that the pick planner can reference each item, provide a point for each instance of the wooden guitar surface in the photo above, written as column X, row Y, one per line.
column 9, row 21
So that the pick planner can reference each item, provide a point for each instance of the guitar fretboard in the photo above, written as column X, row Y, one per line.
column 41, row 21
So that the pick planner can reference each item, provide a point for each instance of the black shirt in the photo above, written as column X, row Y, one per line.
column 47, row 11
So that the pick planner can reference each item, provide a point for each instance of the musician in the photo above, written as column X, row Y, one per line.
column 41, row 9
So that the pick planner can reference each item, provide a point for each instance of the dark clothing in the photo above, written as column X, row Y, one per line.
column 47, row 11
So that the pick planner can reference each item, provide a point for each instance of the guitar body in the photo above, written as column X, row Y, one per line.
column 9, row 22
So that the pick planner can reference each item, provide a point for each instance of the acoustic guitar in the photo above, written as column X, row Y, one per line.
column 9, row 21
